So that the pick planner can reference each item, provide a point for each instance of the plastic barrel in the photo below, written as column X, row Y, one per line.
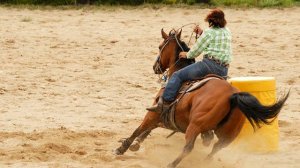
column 266, row 138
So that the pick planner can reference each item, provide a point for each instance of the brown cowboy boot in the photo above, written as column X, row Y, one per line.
column 161, row 106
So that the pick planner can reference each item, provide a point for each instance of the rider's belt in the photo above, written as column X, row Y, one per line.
column 212, row 58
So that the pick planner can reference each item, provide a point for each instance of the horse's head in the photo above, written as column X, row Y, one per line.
column 169, row 50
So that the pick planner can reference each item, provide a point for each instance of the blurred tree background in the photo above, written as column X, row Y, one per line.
column 259, row 3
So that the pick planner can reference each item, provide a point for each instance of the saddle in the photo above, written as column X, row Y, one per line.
column 168, row 119
column 194, row 85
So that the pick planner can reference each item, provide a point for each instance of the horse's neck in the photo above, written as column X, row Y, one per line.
column 181, row 64
column 171, row 71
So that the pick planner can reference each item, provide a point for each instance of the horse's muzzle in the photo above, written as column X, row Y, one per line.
column 157, row 69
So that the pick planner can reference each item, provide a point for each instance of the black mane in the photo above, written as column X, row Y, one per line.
column 183, row 62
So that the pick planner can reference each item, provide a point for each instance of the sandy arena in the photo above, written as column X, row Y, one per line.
column 73, row 82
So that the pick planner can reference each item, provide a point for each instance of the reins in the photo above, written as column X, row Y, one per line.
column 165, row 74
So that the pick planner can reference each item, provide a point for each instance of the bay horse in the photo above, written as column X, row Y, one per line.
column 216, row 106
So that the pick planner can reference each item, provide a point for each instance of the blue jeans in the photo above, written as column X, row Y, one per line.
column 192, row 72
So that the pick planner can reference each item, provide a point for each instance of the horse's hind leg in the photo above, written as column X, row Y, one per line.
column 228, row 131
column 135, row 146
column 190, row 137
column 207, row 137
column 217, row 147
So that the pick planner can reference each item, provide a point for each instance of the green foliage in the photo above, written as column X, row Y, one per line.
column 169, row 1
column 39, row 2
column 234, row 2
column 266, row 3
column 116, row 2
column 258, row 3
column 191, row 2
column 153, row 1
column 129, row 2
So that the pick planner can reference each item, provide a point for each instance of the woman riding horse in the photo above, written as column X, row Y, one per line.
column 215, row 43
column 216, row 106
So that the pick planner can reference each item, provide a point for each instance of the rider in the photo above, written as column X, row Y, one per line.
column 215, row 43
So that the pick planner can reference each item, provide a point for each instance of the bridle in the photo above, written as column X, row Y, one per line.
column 158, row 60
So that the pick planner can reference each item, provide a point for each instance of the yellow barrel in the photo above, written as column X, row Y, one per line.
column 266, row 138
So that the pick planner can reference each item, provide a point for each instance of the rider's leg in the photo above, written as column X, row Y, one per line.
column 191, row 72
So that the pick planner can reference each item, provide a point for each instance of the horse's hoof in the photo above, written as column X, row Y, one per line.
column 171, row 165
column 121, row 140
column 209, row 158
column 134, row 147
column 117, row 152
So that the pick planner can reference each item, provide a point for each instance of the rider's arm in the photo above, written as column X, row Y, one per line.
column 202, row 42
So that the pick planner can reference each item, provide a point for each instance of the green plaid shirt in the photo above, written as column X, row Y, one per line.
column 215, row 42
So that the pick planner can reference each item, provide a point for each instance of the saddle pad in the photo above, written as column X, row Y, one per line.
column 200, row 83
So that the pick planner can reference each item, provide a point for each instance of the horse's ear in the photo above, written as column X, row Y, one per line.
column 163, row 34
column 179, row 34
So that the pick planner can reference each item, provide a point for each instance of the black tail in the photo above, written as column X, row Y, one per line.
column 254, row 111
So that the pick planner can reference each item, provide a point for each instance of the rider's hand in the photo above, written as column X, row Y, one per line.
column 182, row 55
column 198, row 30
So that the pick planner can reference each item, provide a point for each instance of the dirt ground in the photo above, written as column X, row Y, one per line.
column 73, row 82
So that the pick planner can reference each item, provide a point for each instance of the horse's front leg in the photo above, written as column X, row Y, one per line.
column 128, row 141
column 135, row 146
column 150, row 122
